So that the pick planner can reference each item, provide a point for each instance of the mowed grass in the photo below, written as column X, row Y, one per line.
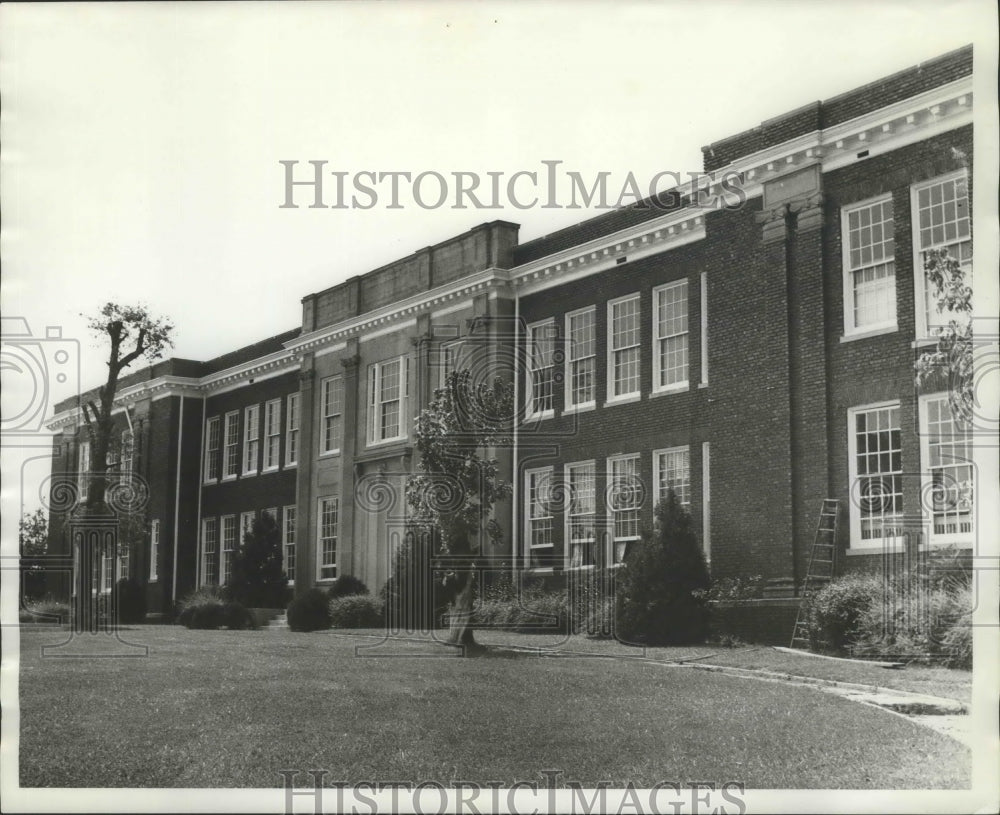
column 232, row 709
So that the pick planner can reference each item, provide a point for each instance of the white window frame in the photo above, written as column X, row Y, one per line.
column 545, row 329
column 292, row 430
column 851, row 328
column 331, row 409
column 964, row 539
column 572, row 358
column 108, row 563
column 154, row 550
column 231, row 446
column 210, row 557
column 684, row 336
column 611, row 398
column 83, row 469
column 616, row 557
column 321, row 539
column 288, row 553
column 246, row 525
column 210, row 474
column 857, row 544
column 125, row 563
column 922, row 304
column 272, row 435
column 227, row 522
column 375, row 403
column 125, row 458
column 448, row 355
column 683, row 496
column 545, row 473
column 572, row 514
column 251, row 440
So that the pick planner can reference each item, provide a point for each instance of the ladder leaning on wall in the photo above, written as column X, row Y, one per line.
column 820, row 569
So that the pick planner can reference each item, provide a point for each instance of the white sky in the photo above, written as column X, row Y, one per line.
column 141, row 142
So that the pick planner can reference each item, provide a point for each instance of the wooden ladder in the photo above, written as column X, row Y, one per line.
column 820, row 569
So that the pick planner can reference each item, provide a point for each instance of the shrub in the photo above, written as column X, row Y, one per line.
column 309, row 611
column 346, row 586
column 415, row 597
column 204, row 608
column 661, row 590
column 237, row 617
column 45, row 610
column 258, row 580
column 728, row 598
column 355, row 611
column 534, row 611
column 835, row 612
column 131, row 601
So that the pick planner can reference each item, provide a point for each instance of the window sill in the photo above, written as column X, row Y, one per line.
column 623, row 400
column 876, row 549
column 586, row 407
column 386, row 442
column 679, row 388
column 291, row 465
column 153, row 580
column 329, row 453
column 924, row 342
column 229, row 477
column 273, row 469
column 702, row 384
column 586, row 567
column 248, row 475
column 539, row 417
column 877, row 331
column 208, row 482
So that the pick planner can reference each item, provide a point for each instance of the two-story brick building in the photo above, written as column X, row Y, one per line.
column 749, row 345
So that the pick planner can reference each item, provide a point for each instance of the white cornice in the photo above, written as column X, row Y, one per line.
column 267, row 365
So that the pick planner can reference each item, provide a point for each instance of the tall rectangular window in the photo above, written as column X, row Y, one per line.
column 870, row 267
column 581, row 359
column 288, row 541
column 538, row 490
column 210, row 552
column 232, row 462
column 83, row 469
column 623, row 347
column 624, row 501
column 212, row 449
column 670, row 336
column 448, row 360
column 580, row 533
column 125, row 563
column 107, row 570
column 541, row 367
column 229, row 533
column 948, row 474
column 292, row 430
column 387, row 383
column 876, row 458
column 272, row 434
column 154, row 550
column 251, row 439
column 246, row 524
column 333, row 414
column 940, row 221
column 673, row 472
column 127, row 452
column 329, row 522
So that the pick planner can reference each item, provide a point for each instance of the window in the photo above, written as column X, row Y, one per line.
column 292, row 430
column 580, row 533
column 448, row 360
column 869, row 261
column 670, row 337
column 154, row 550
column 673, row 472
column 210, row 552
column 272, row 434
column 333, row 414
column 949, row 483
column 84, row 469
column 125, row 563
column 876, row 475
column 251, row 439
column 232, row 445
column 940, row 221
column 107, row 570
column 246, row 524
column 126, row 456
column 581, row 327
column 623, row 348
column 624, row 501
column 228, row 547
column 212, row 449
column 541, row 368
column 329, row 520
column 539, row 513
column 386, row 401
column 288, row 541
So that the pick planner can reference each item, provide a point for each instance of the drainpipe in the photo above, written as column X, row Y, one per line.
column 515, row 491
column 177, row 501
column 201, row 489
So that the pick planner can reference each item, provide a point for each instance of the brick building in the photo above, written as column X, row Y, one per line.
column 749, row 344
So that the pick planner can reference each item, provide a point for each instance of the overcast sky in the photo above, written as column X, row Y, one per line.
column 141, row 143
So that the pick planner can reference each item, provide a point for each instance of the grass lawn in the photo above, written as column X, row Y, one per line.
column 231, row 709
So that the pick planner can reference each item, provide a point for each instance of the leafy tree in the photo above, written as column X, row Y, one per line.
column 662, row 584
column 953, row 355
column 258, row 581
column 458, row 485
column 33, row 537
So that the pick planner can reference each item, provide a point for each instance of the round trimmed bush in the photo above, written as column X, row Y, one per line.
column 837, row 612
column 356, row 611
column 346, row 586
column 203, row 608
column 236, row 617
column 309, row 611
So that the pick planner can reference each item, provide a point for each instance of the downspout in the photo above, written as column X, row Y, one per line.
column 515, row 531
column 201, row 489
column 177, row 501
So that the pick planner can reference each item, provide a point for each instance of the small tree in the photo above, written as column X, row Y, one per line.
column 33, row 537
column 953, row 356
column 258, row 581
column 457, row 487
column 661, row 587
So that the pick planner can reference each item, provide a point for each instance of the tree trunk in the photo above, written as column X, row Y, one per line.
column 460, row 631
